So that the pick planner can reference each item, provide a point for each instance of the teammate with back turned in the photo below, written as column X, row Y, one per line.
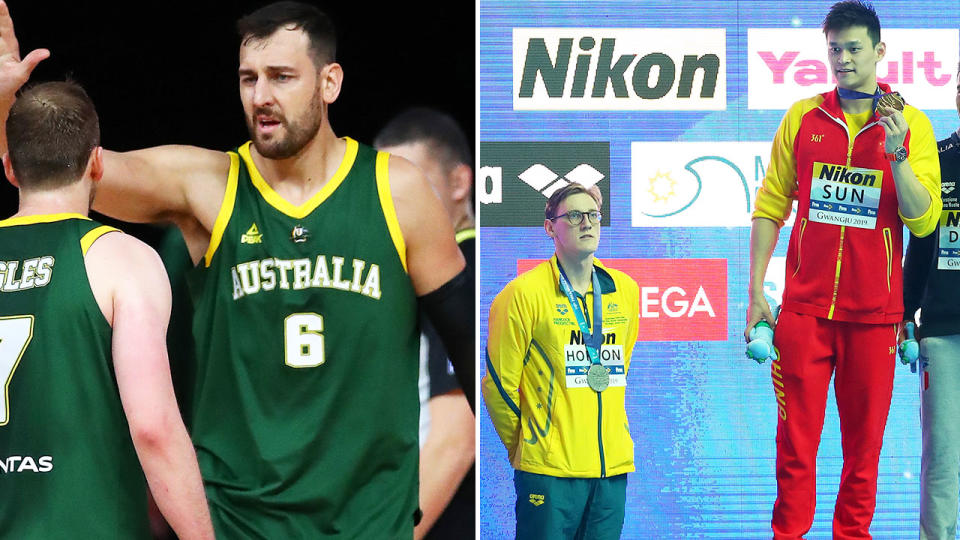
column 861, row 164
column 86, row 384
column 313, row 252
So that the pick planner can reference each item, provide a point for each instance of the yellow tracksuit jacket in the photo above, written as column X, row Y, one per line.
column 535, row 388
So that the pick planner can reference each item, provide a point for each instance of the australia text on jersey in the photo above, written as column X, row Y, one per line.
column 35, row 272
column 269, row 274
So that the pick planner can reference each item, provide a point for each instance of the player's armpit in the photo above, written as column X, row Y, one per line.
column 165, row 183
column 451, row 310
column 432, row 255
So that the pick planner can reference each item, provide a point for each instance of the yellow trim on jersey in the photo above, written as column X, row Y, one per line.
column 465, row 234
column 92, row 236
column 386, row 203
column 302, row 211
column 226, row 209
column 41, row 218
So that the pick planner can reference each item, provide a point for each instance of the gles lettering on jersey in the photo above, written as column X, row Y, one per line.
column 27, row 274
column 255, row 276
column 24, row 464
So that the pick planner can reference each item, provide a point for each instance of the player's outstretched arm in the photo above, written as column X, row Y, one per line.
column 131, row 287
column 169, row 183
column 164, row 183
column 446, row 456
column 437, row 269
column 14, row 72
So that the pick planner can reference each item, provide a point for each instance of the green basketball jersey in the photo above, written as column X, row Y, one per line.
column 68, row 468
column 305, row 406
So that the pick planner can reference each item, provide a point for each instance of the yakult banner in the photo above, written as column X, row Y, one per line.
column 619, row 69
column 696, row 184
column 788, row 64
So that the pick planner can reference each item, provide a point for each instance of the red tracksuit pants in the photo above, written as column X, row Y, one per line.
column 862, row 357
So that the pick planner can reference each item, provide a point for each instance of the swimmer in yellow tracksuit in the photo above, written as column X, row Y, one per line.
column 557, row 362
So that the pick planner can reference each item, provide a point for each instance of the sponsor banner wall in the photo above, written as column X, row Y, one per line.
column 788, row 64
column 619, row 69
column 629, row 90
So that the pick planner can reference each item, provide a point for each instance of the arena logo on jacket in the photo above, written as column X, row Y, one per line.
column 785, row 65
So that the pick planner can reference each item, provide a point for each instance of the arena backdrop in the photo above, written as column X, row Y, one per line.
column 670, row 108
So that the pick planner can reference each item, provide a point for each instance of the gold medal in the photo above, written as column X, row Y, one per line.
column 891, row 101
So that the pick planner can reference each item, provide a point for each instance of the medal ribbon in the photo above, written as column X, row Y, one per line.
column 591, row 340
column 847, row 93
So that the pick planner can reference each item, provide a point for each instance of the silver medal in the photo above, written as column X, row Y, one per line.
column 598, row 377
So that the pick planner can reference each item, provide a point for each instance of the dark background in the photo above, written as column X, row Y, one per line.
column 166, row 72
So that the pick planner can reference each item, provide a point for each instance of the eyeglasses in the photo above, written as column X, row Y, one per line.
column 575, row 217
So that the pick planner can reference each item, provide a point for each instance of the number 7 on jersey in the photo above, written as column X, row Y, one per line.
column 15, row 335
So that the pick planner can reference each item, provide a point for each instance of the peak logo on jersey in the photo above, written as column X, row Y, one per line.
column 619, row 69
column 35, row 272
column 21, row 464
column 515, row 178
column 252, row 236
column 536, row 499
column 785, row 65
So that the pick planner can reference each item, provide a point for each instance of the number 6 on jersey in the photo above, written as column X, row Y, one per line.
column 15, row 335
column 303, row 340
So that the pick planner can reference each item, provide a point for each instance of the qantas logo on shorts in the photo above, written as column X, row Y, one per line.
column 20, row 464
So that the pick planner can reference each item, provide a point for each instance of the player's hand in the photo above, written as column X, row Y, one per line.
column 895, row 127
column 902, row 332
column 758, row 310
column 14, row 72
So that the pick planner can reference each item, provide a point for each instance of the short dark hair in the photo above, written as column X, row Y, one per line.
column 51, row 130
column 558, row 196
column 432, row 127
column 843, row 15
column 263, row 22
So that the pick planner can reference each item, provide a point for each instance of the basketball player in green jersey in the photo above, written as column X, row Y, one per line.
column 83, row 312
column 313, row 253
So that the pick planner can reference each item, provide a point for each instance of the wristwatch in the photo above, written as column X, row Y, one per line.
column 899, row 155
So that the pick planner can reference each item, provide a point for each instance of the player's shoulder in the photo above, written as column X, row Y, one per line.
column 801, row 107
column 622, row 281
column 528, row 285
column 915, row 116
column 120, row 250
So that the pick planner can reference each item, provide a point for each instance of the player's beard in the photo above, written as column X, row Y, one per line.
column 296, row 134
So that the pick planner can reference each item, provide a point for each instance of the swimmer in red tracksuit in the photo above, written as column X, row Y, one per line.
column 858, row 171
